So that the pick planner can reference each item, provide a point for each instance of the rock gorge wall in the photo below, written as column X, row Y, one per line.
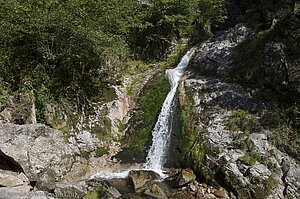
column 228, row 118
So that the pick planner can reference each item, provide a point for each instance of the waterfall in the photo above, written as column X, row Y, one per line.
column 162, row 129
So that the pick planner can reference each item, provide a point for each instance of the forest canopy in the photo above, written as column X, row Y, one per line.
column 54, row 44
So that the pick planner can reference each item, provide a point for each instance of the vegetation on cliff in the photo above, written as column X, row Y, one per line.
column 71, row 49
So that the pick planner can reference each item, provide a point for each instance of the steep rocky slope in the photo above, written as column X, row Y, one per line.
column 236, row 98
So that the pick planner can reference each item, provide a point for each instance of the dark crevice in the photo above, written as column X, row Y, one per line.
column 8, row 163
column 33, row 183
column 285, row 184
column 220, row 178
column 51, row 191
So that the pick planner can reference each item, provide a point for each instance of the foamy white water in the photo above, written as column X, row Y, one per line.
column 110, row 175
column 121, row 175
column 162, row 129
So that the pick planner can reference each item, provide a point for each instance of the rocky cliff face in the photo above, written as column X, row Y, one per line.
column 230, row 147
column 230, row 132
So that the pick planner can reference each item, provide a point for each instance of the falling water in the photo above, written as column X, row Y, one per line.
column 162, row 130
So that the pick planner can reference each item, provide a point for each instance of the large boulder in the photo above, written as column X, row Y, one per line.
column 10, row 179
column 156, row 190
column 181, row 178
column 35, row 149
column 141, row 178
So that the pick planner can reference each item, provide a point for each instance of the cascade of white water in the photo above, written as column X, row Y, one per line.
column 162, row 129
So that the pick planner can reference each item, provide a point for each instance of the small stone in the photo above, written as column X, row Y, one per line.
column 187, row 175
column 114, row 192
column 200, row 192
column 219, row 194
column 209, row 195
column 23, row 177
column 193, row 187
column 208, row 190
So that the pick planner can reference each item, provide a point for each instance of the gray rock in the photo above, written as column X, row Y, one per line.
column 275, row 63
column 20, row 192
column 36, row 148
column 9, row 179
column 142, row 178
column 114, row 192
column 39, row 195
column 214, row 102
column 292, row 180
column 47, row 181
column 214, row 54
column 261, row 142
column 71, row 190
column 260, row 170
column 156, row 191
column 181, row 178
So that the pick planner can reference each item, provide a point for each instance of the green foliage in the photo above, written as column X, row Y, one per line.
column 250, row 158
column 70, row 50
column 241, row 120
column 190, row 139
column 167, row 20
column 85, row 154
column 104, row 133
column 262, row 188
column 121, row 127
column 3, row 94
column 101, row 151
column 97, row 193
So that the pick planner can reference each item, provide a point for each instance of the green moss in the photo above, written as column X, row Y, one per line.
column 262, row 188
column 100, row 151
column 192, row 144
column 250, row 158
column 3, row 94
column 98, row 193
column 152, row 99
column 121, row 127
column 177, row 54
column 242, row 141
column 241, row 120
column 85, row 154
column 149, row 102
